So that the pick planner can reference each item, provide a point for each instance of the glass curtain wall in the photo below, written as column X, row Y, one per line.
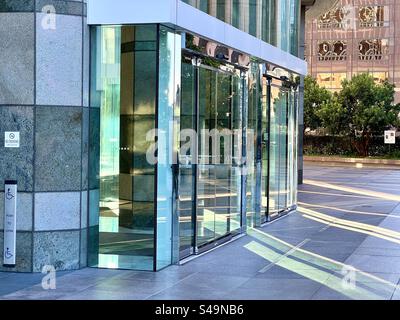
column 131, row 192
column 273, row 21
column 144, row 94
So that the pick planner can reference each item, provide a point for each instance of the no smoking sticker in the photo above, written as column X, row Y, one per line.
column 11, row 139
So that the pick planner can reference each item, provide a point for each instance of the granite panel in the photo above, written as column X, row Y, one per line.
column 17, row 163
column 59, row 61
column 57, row 211
column 16, row 57
column 58, row 149
column 59, row 249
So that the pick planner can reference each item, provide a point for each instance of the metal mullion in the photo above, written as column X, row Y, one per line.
column 268, row 147
column 195, row 166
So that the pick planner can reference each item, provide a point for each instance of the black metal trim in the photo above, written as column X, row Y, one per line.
column 195, row 169
column 268, row 147
column 222, row 61
column 157, row 102
column 10, row 182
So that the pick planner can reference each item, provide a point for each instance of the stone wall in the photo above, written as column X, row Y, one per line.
column 44, row 75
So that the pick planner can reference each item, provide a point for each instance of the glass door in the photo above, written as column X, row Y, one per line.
column 187, row 164
column 278, row 149
column 209, row 191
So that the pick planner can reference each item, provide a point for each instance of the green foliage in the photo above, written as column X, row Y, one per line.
column 361, row 109
column 369, row 105
column 333, row 116
column 314, row 98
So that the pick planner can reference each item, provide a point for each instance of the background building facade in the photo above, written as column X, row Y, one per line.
column 352, row 37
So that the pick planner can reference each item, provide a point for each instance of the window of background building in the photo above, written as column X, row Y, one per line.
column 380, row 77
column 333, row 19
column 332, row 50
column 373, row 49
column 374, row 16
column 331, row 80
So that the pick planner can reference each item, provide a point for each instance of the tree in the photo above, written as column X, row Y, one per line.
column 314, row 98
column 369, row 108
column 333, row 116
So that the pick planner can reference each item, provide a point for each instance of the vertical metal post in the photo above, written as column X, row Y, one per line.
column 10, row 223
column 243, row 162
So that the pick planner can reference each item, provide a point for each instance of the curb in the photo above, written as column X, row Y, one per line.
column 352, row 161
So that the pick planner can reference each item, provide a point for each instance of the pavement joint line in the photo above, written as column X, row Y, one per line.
column 171, row 286
column 325, row 228
column 269, row 266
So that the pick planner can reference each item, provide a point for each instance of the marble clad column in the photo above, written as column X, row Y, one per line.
column 44, row 74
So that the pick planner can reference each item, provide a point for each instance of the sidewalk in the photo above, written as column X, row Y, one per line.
column 343, row 243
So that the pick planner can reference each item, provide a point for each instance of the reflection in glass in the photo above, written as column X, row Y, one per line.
column 124, row 84
column 187, row 167
column 253, row 137
column 264, row 149
column 278, row 172
column 219, row 180
column 168, row 87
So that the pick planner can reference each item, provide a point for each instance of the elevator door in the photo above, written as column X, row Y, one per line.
column 209, row 190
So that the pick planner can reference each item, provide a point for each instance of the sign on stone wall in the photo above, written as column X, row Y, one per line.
column 11, row 139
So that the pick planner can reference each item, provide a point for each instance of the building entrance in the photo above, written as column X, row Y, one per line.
column 210, row 181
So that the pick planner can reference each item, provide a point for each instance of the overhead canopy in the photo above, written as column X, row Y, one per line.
column 187, row 18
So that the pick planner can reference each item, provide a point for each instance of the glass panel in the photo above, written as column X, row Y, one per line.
column 291, row 144
column 283, row 149
column 253, row 17
column 219, row 179
column 264, row 150
column 187, row 168
column 294, row 19
column 253, row 137
column 234, row 99
column 274, row 153
column 124, row 82
column 206, row 170
column 236, row 13
column 169, row 84
column 221, row 9
column 268, row 25
column 283, row 39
